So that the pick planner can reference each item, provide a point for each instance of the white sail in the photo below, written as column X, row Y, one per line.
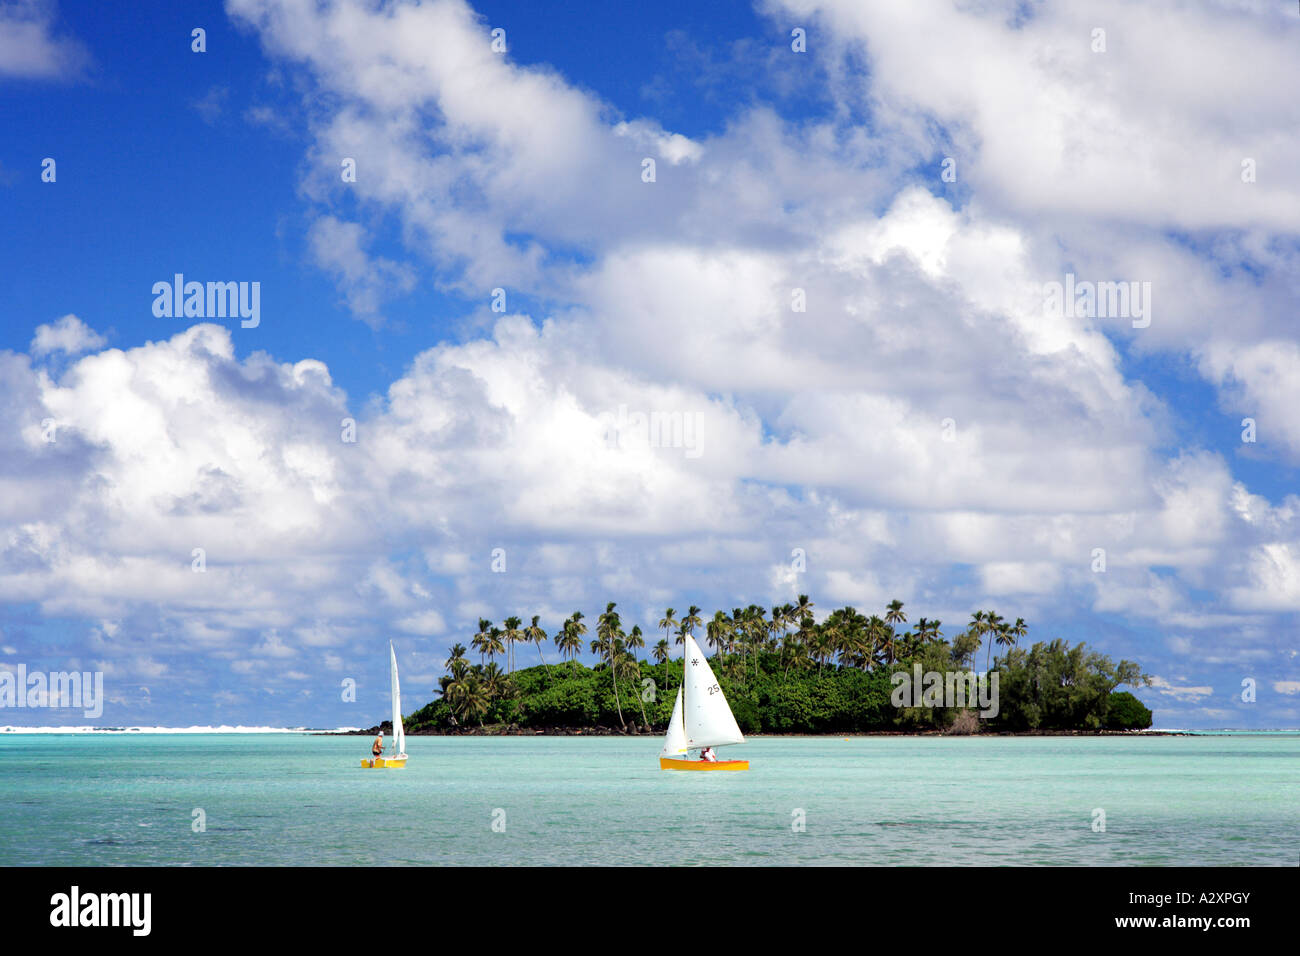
column 709, row 721
column 675, row 739
column 399, row 734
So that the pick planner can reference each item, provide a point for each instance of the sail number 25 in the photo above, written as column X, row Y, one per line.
column 715, row 689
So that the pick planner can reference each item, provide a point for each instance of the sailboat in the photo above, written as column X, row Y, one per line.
column 701, row 718
column 398, row 757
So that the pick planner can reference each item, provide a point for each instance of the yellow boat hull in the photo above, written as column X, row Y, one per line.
column 392, row 763
column 672, row 763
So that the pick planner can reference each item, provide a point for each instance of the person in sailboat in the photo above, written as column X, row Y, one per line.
column 708, row 754
column 377, row 748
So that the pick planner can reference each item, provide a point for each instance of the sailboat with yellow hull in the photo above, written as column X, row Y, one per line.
column 397, row 759
column 701, row 718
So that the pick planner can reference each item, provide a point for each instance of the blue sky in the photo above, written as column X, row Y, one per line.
column 170, row 185
column 776, row 170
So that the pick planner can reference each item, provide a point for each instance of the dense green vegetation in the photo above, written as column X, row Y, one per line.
column 782, row 674
column 1127, row 713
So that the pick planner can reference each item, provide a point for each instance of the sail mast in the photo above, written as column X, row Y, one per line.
column 684, row 705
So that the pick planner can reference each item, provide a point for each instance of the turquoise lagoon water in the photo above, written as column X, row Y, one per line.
column 298, row 799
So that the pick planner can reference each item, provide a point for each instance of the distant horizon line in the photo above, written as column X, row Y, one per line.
column 192, row 729
column 242, row 729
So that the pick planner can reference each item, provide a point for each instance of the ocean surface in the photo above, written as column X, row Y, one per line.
column 298, row 799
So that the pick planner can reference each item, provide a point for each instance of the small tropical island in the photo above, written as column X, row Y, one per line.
column 783, row 673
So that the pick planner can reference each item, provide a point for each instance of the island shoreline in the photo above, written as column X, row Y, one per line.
column 386, row 729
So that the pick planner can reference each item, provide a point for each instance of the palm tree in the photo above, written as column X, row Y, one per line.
column 513, row 635
column 689, row 623
column 893, row 615
column 457, row 667
column 536, row 635
column 871, row 636
column 994, row 625
column 609, row 642
column 881, row 639
column 635, row 640
column 495, row 682
column 830, row 636
column 803, row 608
column 661, row 651
column 864, row 638
column 800, row 643
column 807, row 637
column 1008, row 635
column 979, row 628
column 493, row 644
column 445, row 682
column 668, row 621
column 756, row 630
column 716, row 634
column 821, row 645
column 559, row 637
column 479, row 641
column 468, row 697
column 791, row 648
column 894, row 612
column 1018, row 630
column 692, row 620
column 567, row 642
column 579, row 629
column 788, row 618
column 923, row 626
column 775, row 627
